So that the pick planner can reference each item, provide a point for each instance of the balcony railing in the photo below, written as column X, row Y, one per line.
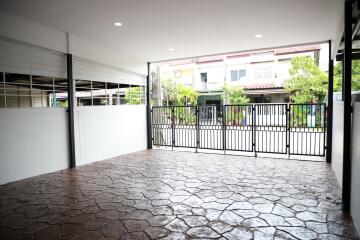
column 209, row 86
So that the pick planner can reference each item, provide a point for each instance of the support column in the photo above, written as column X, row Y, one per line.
column 71, row 88
column 329, row 119
column 346, row 184
column 148, row 110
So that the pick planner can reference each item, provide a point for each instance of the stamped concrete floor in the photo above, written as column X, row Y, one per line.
column 177, row 195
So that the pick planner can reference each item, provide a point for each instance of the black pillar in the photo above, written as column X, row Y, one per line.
column 329, row 119
column 148, row 109
column 346, row 184
column 71, row 110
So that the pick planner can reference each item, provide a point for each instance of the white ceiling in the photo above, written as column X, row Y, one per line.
column 192, row 27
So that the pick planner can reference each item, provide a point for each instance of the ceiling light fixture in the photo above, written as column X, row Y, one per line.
column 118, row 24
column 171, row 49
column 258, row 36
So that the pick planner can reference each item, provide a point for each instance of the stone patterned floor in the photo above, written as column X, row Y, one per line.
column 177, row 195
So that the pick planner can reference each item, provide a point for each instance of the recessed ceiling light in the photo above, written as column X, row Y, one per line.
column 258, row 36
column 118, row 24
column 171, row 49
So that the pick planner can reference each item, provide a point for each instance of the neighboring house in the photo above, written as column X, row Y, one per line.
column 262, row 74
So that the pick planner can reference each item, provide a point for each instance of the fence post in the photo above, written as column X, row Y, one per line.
column 151, row 126
column 253, row 113
column 172, row 127
column 288, row 115
column 197, row 130
column 224, row 127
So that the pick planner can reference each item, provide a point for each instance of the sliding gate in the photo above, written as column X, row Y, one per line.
column 296, row 129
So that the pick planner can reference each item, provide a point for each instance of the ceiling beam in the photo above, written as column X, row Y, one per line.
column 354, row 56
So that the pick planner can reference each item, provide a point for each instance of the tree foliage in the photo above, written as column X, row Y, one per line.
column 307, row 83
column 178, row 94
column 355, row 75
column 186, row 95
column 234, row 95
column 169, row 91
column 133, row 95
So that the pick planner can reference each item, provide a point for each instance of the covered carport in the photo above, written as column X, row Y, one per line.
column 66, row 67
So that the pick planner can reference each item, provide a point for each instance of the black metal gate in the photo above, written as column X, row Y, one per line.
column 296, row 129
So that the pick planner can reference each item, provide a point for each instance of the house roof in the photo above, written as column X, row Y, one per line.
column 208, row 59
column 298, row 49
column 265, row 85
column 220, row 57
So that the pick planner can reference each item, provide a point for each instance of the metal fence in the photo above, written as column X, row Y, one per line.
column 296, row 129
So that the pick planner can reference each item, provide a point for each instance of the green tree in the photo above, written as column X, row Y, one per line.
column 178, row 94
column 133, row 95
column 307, row 83
column 186, row 95
column 234, row 95
column 355, row 75
column 62, row 104
column 169, row 91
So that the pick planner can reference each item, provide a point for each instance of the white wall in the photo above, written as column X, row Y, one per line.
column 337, row 155
column 355, row 168
column 28, row 31
column 27, row 59
column 215, row 76
column 103, row 132
column 337, row 138
column 32, row 142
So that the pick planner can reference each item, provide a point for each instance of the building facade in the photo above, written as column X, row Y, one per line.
column 262, row 74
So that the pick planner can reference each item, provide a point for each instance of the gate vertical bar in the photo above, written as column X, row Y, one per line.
column 148, row 110
column 197, row 128
column 197, row 132
column 287, row 124
column 253, row 113
column 224, row 127
column 172, row 127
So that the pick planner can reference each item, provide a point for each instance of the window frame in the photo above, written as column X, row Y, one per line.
column 238, row 75
column 116, row 99
column 34, row 91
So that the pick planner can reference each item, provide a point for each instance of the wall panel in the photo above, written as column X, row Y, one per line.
column 355, row 167
column 33, row 141
column 87, row 70
column 338, row 135
column 103, row 132
column 26, row 59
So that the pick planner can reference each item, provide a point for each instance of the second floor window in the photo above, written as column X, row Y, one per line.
column 203, row 77
column 263, row 73
column 236, row 75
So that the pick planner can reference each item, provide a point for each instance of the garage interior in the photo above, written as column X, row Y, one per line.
column 76, row 148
